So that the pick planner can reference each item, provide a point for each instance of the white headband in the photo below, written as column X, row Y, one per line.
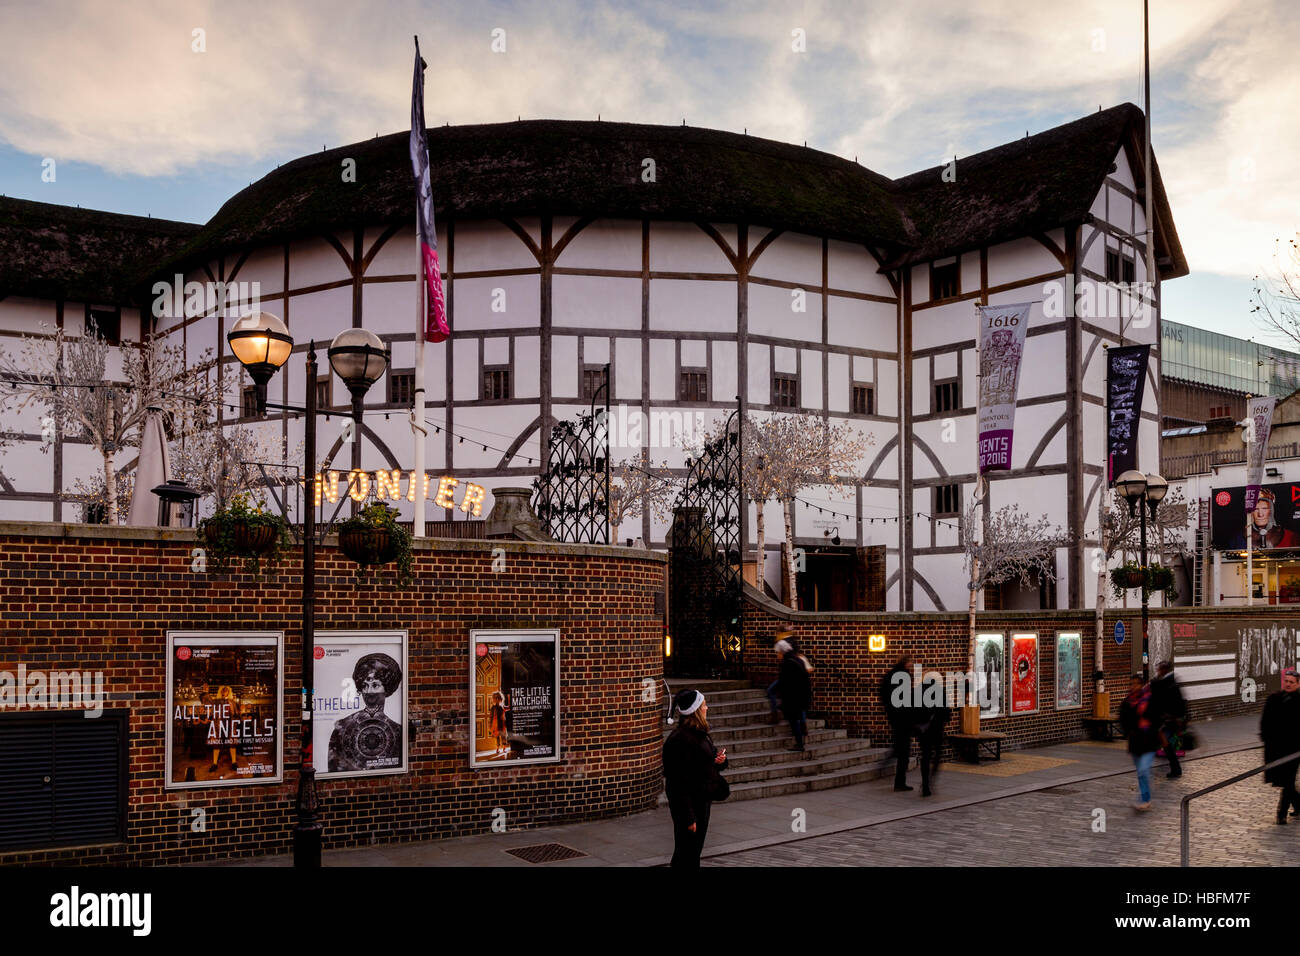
column 783, row 646
column 695, row 705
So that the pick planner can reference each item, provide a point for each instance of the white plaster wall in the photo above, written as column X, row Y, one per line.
column 1042, row 371
column 663, row 370
column 565, row 381
column 595, row 302
column 475, row 299
column 725, row 386
column 772, row 312
column 946, row 324
column 29, row 315
column 791, row 257
column 483, row 244
column 860, row 323
column 264, row 266
column 627, row 362
column 887, row 388
column 839, row 392
column 314, row 261
column 760, row 375
column 684, row 247
column 851, row 267
column 692, row 305
column 1019, row 259
column 604, row 244
column 398, row 255
column 810, row 379
column 528, row 357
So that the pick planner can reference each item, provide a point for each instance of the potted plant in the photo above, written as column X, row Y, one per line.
column 374, row 537
column 1160, row 578
column 244, row 530
column 1128, row 575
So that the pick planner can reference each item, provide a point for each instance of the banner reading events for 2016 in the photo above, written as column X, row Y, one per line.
column 1126, row 375
column 1259, row 419
column 1069, row 670
column 514, row 697
column 224, row 708
column 1002, row 346
column 360, row 705
column 1024, row 673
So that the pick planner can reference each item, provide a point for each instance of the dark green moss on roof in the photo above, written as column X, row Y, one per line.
column 83, row 255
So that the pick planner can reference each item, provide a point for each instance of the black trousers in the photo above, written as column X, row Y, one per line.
column 903, row 753
column 930, row 747
column 1289, row 798
column 688, row 846
column 1167, row 732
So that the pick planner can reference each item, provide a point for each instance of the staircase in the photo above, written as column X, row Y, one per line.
column 761, row 763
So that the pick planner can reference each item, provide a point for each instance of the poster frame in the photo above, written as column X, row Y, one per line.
column 232, row 639
column 1038, row 674
column 505, row 635
column 1077, row 636
column 1002, row 683
column 349, row 636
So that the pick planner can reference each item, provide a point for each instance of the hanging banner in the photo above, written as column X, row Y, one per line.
column 1126, row 375
column 1002, row 346
column 514, row 697
column 436, row 328
column 1024, row 673
column 1259, row 423
column 359, row 710
column 224, row 708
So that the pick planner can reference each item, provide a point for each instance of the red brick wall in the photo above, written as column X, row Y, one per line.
column 848, row 676
column 90, row 598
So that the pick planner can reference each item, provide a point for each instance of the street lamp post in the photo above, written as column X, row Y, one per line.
column 262, row 344
column 1133, row 487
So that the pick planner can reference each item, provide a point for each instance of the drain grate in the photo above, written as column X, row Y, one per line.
column 546, row 853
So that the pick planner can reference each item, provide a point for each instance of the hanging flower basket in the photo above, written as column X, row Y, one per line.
column 247, row 532
column 373, row 538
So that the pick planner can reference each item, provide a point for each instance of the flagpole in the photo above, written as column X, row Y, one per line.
column 1146, row 77
column 418, row 431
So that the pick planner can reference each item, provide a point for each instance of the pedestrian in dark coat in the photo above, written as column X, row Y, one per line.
column 1280, row 728
column 1141, row 722
column 1167, row 698
column 794, row 688
column 896, row 699
column 692, row 777
column 931, row 719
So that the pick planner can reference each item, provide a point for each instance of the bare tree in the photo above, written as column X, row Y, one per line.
column 636, row 485
column 69, row 376
column 1277, row 297
column 1011, row 545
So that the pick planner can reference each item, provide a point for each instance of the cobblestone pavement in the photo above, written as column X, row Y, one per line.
column 1231, row 827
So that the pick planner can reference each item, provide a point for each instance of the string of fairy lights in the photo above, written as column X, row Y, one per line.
column 439, row 427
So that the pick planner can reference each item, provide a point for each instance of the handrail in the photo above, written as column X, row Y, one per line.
column 1185, row 821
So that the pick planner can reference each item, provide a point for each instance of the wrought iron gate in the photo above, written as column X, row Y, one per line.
column 705, row 548
column 571, row 496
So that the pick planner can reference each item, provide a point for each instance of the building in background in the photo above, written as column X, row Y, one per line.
column 1206, row 375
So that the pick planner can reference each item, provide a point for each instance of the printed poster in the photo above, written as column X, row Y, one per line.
column 1273, row 522
column 224, row 706
column 1024, row 673
column 1259, row 425
column 1002, row 346
column 1126, row 374
column 1069, row 670
column 514, row 697
column 989, row 650
column 360, row 703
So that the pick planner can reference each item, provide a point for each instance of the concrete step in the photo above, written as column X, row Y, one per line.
column 739, row 733
column 784, row 786
column 707, row 686
column 715, row 698
column 739, row 718
column 741, row 759
column 799, row 766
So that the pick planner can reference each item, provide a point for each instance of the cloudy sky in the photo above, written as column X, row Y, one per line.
column 141, row 114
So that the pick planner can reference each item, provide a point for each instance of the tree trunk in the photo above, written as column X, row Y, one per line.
column 110, row 475
column 970, row 631
column 792, row 597
column 1099, row 654
column 760, row 543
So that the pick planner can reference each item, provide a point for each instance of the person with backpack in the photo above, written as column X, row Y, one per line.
column 692, row 777
column 1141, row 722
column 1167, row 698
column 794, row 688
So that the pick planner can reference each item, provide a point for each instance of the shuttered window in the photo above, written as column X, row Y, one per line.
column 62, row 779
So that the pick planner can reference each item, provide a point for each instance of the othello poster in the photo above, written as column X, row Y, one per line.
column 1024, row 673
column 224, row 708
column 514, row 697
column 359, row 708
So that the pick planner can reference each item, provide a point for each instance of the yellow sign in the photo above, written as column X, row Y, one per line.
column 876, row 643
column 388, row 486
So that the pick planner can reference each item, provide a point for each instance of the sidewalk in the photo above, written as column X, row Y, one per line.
column 645, row 839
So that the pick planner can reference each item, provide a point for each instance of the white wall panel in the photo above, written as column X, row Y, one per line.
column 837, row 382
column 725, row 370
column 772, row 312
column 684, row 247
column 604, row 244
column 527, row 366
column 663, row 370
column 851, row 267
column 1019, row 259
column 760, row 375
column 475, row 299
column 595, row 302
column 466, row 374
column 810, row 379
column 564, row 366
column 692, row 305
column 627, row 375
column 485, row 244
column 791, row 257
column 315, row 261
column 859, row 323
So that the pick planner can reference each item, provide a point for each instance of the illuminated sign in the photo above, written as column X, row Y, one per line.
column 876, row 643
column 387, row 485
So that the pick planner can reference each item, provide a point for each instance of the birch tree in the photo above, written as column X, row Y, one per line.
column 637, row 485
column 69, row 377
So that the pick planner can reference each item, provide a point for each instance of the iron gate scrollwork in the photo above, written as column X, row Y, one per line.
column 571, row 496
column 706, row 544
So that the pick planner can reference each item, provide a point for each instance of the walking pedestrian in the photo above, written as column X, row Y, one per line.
column 1280, row 728
column 773, row 698
column 1167, row 698
column 794, row 688
column 692, row 777
column 1140, row 721
column 933, row 717
column 896, row 698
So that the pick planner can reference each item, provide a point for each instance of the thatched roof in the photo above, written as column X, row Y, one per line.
column 563, row 167
column 49, row 251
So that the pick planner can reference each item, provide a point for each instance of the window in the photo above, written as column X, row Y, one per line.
column 944, row 280
column 785, row 391
column 108, row 322
column 496, row 384
column 947, row 396
column 593, row 377
column 250, row 401
column 864, row 400
column 694, row 385
column 1119, row 268
column 947, row 499
column 401, row 388
column 1128, row 270
column 323, row 392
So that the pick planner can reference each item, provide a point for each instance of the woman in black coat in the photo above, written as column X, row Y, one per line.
column 1280, row 728
column 692, row 777
column 794, row 688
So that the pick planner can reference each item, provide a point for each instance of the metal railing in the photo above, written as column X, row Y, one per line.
column 1201, row 463
column 1185, row 821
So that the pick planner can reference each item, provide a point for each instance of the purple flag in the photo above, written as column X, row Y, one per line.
column 436, row 327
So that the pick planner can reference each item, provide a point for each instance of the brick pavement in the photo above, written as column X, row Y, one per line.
column 1232, row 827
